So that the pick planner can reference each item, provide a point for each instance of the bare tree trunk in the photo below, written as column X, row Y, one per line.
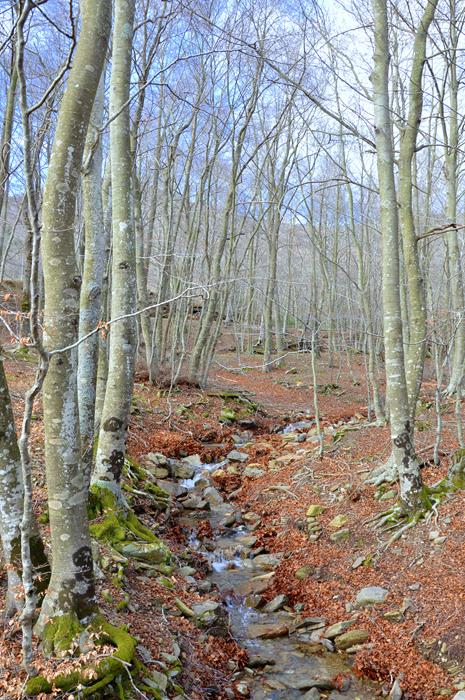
column 117, row 404
column 71, row 590
column 403, row 454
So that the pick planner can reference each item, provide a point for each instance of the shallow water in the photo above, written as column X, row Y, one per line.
column 290, row 672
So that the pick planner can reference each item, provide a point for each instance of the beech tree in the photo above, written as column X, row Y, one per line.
column 71, row 588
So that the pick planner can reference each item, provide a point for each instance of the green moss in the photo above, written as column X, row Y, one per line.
column 62, row 631
column 37, row 685
column 108, row 530
column 60, row 634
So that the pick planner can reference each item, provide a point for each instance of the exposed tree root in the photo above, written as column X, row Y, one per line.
column 64, row 635
column 122, row 530
column 384, row 473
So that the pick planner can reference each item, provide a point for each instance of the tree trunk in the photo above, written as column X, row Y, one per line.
column 71, row 590
column 118, row 395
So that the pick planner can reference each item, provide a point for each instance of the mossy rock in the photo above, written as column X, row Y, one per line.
column 155, row 552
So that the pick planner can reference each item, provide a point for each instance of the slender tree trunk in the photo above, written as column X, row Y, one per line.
column 118, row 395
column 90, row 309
column 403, row 454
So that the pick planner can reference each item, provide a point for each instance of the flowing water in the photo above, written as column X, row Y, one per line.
column 286, row 672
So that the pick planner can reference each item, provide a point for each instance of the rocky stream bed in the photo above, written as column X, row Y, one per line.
column 289, row 656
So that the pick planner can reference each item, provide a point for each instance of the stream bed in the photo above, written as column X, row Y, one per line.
column 283, row 666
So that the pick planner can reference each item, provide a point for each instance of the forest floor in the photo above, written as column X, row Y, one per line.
column 415, row 635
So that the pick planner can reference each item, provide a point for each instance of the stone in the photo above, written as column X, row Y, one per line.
column 460, row 695
column 204, row 586
column 338, row 522
column 156, row 458
column 396, row 691
column 351, row 638
column 212, row 496
column 314, row 510
column 208, row 608
column 187, row 571
column 358, row 561
column 257, row 584
column 151, row 552
column 340, row 535
column 311, row 623
column 183, row 471
column 267, row 561
column 236, row 456
column 253, row 472
column 227, row 415
column 371, row 595
column 267, row 630
column 156, row 681
column 338, row 628
column 193, row 460
column 388, row 495
column 304, row 572
column 160, row 472
column 276, row 604
column 313, row 694
column 259, row 662
column 194, row 502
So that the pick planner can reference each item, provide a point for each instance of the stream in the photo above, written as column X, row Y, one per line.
column 286, row 666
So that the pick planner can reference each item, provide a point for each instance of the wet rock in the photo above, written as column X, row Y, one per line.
column 247, row 540
column 351, row 638
column 276, row 604
column 183, row 471
column 212, row 496
column 204, row 586
column 195, row 503
column 193, row 460
column 243, row 689
column 236, row 456
column 257, row 584
column 267, row 630
column 313, row 694
column 302, row 681
column 253, row 472
column 340, row 535
column 371, row 595
column 338, row 522
column 259, row 662
column 338, row 628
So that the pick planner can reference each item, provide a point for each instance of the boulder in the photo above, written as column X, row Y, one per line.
column 182, row 471
column 257, row 584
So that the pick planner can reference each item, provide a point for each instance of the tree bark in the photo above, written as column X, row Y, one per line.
column 71, row 589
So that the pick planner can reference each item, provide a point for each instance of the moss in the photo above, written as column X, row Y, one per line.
column 108, row 530
column 61, row 633
column 37, row 685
